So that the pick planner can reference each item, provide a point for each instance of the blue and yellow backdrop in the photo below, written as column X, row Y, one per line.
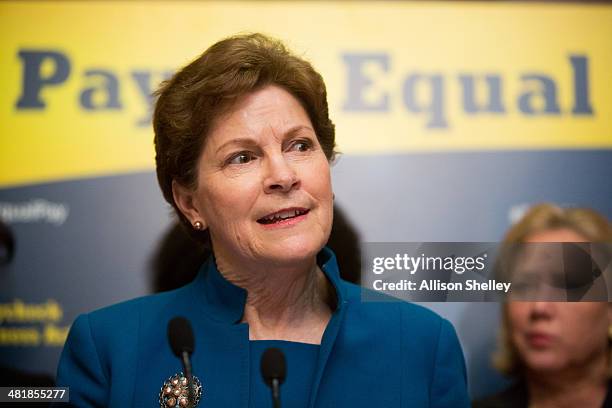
column 453, row 117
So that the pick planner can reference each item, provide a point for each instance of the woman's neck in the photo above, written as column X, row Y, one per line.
column 584, row 386
column 283, row 303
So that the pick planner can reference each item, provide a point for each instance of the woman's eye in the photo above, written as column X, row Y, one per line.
column 240, row 158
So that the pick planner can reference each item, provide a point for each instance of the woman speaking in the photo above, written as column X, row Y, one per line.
column 243, row 145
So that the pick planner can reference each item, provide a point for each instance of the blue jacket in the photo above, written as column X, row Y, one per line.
column 384, row 354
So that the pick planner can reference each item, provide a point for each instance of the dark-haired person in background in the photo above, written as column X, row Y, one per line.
column 7, row 244
column 559, row 353
column 10, row 376
column 243, row 149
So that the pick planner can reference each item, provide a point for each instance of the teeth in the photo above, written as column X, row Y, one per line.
column 283, row 215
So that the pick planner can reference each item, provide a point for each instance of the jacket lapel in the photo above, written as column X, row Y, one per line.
column 327, row 262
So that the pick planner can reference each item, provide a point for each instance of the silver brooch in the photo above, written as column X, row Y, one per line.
column 174, row 392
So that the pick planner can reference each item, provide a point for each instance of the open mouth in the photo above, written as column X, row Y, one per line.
column 282, row 215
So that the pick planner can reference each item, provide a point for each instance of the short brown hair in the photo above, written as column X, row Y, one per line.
column 539, row 218
column 189, row 102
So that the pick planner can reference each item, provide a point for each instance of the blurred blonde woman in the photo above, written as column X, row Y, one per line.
column 558, row 352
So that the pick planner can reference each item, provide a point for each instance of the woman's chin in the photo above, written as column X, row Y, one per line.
column 293, row 252
column 545, row 364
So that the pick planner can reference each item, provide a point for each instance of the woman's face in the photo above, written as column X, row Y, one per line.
column 552, row 336
column 264, row 186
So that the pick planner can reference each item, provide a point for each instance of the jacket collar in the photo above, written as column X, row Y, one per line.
column 224, row 302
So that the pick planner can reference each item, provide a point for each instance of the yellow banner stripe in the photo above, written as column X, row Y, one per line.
column 402, row 77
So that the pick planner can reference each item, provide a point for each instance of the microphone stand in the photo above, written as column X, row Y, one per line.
column 187, row 368
column 276, row 393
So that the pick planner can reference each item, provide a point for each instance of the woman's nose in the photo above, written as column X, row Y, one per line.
column 280, row 175
column 542, row 310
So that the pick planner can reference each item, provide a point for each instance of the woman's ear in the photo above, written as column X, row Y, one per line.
column 185, row 201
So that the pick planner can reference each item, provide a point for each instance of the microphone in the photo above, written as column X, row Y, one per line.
column 274, row 371
column 180, row 336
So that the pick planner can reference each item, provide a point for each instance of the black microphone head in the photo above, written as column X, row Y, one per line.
column 273, row 366
column 180, row 336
